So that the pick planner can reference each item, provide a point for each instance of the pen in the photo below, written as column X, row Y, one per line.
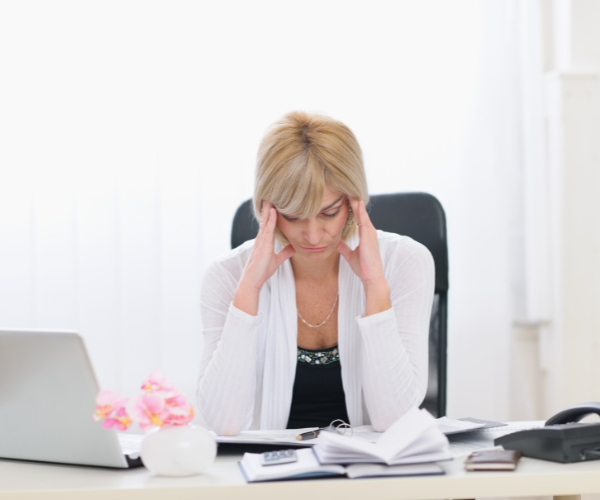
column 308, row 435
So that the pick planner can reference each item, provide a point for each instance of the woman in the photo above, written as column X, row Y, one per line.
column 321, row 316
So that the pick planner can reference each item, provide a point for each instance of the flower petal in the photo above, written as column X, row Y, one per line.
column 154, row 403
column 109, row 423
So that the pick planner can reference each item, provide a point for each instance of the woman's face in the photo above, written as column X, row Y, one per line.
column 317, row 238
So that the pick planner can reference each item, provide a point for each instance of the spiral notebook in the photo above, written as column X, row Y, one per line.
column 308, row 466
column 413, row 438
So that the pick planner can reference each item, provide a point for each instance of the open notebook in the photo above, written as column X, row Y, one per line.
column 413, row 438
column 308, row 466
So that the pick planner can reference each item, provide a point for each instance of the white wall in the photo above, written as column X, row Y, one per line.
column 557, row 340
column 129, row 131
column 572, row 342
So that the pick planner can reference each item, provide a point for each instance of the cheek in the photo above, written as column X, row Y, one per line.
column 340, row 227
column 339, row 223
column 285, row 227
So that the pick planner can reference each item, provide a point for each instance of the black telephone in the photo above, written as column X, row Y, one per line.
column 562, row 439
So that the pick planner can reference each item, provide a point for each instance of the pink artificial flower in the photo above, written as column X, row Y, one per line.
column 156, row 382
column 111, row 408
column 180, row 410
column 107, row 402
column 162, row 404
column 120, row 420
column 149, row 410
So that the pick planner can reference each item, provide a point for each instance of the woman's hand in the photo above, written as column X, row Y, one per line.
column 366, row 263
column 263, row 262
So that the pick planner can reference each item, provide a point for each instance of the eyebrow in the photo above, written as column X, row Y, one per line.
column 327, row 208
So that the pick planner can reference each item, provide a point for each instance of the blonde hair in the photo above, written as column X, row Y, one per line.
column 298, row 156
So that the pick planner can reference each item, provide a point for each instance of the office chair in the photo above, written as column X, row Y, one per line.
column 420, row 216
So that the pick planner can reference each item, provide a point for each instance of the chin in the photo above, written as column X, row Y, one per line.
column 315, row 256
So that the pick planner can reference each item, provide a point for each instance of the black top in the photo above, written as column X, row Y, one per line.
column 318, row 397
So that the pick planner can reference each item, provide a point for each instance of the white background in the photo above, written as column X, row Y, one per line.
column 128, row 137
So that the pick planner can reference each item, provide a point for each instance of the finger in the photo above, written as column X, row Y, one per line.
column 264, row 222
column 271, row 221
column 264, row 212
column 345, row 250
column 268, row 232
column 261, row 222
column 266, row 236
column 285, row 254
column 361, row 215
column 353, row 203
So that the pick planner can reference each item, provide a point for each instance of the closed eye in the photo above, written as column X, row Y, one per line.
column 328, row 214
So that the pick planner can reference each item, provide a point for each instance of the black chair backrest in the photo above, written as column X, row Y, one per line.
column 420, row 216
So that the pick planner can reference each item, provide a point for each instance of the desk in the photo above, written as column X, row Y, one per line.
column 29, row 481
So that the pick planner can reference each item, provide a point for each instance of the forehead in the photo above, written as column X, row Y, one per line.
column 329, row 196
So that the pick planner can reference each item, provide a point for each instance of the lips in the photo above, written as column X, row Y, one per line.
column 313, row 249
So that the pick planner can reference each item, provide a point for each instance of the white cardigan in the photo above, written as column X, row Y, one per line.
column 248, row 362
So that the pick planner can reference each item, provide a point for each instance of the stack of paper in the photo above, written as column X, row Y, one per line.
column 414, row 438
column 287, row 437
column 453, row 426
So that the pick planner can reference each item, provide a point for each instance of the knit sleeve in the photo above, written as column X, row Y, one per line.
column 227, row 381
column 394, row 358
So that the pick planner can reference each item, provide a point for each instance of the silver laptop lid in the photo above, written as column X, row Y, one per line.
column 47, row 398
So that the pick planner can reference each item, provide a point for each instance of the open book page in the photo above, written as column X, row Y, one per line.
column 335, row 448
column 339, row 455
column 367, row 433
column 411, row 438
column 378, row 470
column 404, row 432
column 430, row 440
column 432, row 446
column 307, row 465
column 433, row 456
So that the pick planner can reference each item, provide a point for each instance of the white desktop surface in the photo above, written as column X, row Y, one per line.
column 223, row 480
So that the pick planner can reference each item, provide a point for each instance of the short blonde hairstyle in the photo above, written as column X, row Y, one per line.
column 298, row 156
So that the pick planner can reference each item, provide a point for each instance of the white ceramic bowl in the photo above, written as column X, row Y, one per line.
column 182, row 450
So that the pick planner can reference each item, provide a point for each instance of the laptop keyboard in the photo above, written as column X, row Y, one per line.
column 131, row 444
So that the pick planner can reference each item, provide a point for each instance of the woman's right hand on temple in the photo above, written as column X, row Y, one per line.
column 262, row 264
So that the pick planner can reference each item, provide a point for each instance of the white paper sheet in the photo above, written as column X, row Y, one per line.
column 280, row 436
column 451, row 425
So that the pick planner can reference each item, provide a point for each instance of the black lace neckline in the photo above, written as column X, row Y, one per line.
column 319, row 357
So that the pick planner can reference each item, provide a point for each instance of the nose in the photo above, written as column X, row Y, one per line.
column 313, row 231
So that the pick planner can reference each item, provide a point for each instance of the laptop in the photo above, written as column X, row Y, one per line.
column 47, row 398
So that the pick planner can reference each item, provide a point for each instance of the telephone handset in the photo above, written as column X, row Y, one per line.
column 574, row 413
column 562, row 439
